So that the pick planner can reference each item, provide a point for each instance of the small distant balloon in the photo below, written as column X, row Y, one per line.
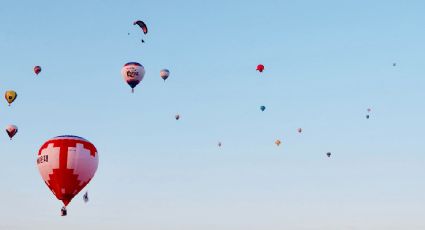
column 300, row 130
column 37, row 70
column 367, row 116
column 11, row 130
column 394, row 64
column 219, row 144
column 328, row 154
column 10, row 96
column 260, row 68
column 262, row 108
column 164, row 74
column 368, row 110
column 277, row 142
column 177, row 116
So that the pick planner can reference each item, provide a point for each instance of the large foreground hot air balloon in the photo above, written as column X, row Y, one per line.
column 10, row 96
column 133, row 74
column 67, row 164
column 164, row 73
column 11, row 130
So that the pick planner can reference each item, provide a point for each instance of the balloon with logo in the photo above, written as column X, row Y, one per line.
column 67, row 164
column 10, row 96
column 133, row 74
column 164, row 73
column 11, row 130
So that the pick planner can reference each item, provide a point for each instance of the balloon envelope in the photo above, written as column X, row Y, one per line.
column 10, row 96
column 263, row 108
column 11, row 130
column 37, row 69
column 260, row 68
column 164, row 73
column 67, row 164
column 133, row 73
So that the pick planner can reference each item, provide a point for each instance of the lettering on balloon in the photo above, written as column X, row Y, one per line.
column 43, row 159
column 132, row 74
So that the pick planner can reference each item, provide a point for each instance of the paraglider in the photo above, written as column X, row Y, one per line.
column 260, row 68
column 277, row 142
column 37, row 69
column 86, row 197
column 133, row 74
column 177, row 117
column 164, row 73
column 328, row 154
column 10, row 96
column 11, row 130
column 300, row 130
column 67, row 164
column 143, row 26
column 262, row 108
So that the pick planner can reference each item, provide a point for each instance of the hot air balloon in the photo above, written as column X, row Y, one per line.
column 394, row 64
column 367, row 116
column 133, row 74
column 164, row 73
column 67, row 164
column 37, row 70
column 143, row 26
column 328, row 154
column 219, row 144
column 262, row 108
column 260, row 68
column 300, row 130
column 368, row 110
column 177, row 117
column 277, row 142
column 10, row 96
column 11, row 130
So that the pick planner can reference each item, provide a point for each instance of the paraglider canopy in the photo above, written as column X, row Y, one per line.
column 262, row 108
column 260, row 68
column 142, row 25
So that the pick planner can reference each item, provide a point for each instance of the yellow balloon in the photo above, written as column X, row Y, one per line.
column 10, row 96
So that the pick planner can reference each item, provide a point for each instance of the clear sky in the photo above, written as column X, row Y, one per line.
column 326, row 63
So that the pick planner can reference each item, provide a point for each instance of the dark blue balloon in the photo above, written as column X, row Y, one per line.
column 263, row 108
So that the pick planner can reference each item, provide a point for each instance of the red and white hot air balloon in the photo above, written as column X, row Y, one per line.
column 11, row 130
column 133, row 74
column 67, row 164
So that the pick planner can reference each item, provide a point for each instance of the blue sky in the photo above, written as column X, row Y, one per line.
column 326, row 63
